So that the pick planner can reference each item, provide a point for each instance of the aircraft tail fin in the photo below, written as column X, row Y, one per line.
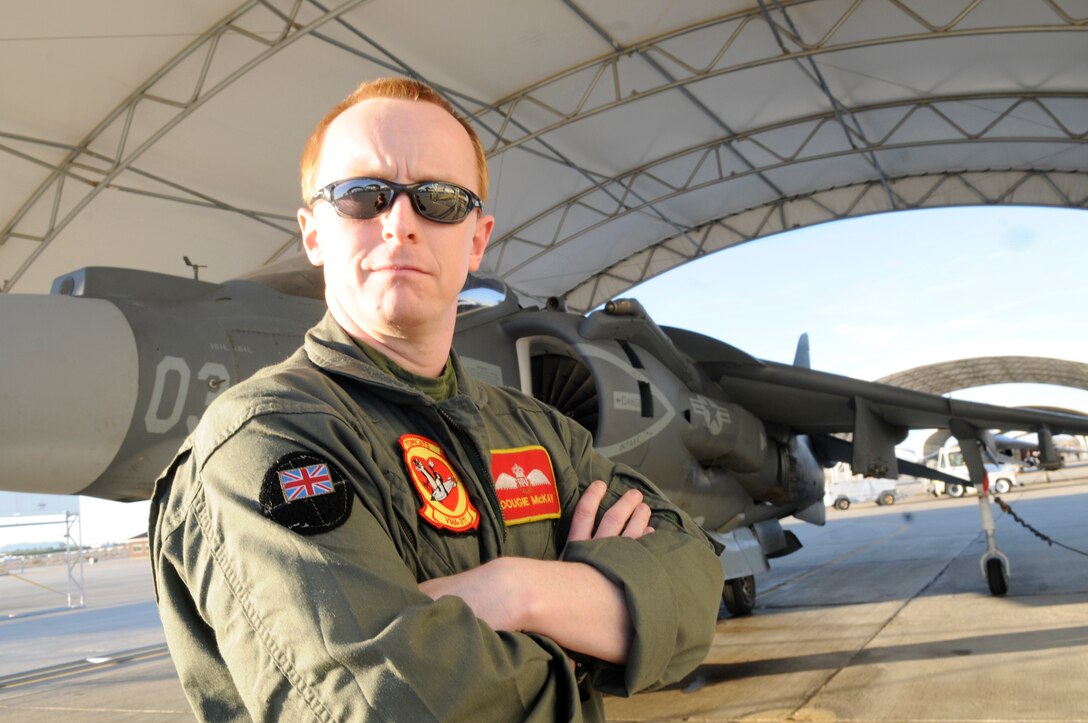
column 801, row 358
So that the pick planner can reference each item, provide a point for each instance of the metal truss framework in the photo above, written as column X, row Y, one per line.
column 1031, row 187
column 526, row 118
column 616, row 79
column 780, row 146
column 613, row 81
column 96, row 170
column 1061, row 110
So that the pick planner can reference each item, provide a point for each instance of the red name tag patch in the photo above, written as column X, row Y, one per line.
column 525, row 484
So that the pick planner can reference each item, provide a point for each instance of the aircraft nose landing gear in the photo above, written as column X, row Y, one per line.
column 995, row 565
column 995, row 568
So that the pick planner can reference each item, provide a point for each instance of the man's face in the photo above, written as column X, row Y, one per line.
column 396, row 275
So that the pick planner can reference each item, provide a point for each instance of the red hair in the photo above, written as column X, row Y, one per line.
column 400, row 88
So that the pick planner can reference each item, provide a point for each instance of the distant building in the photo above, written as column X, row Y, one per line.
column 138, row 546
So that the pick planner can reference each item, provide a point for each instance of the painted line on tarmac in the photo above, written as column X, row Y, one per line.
column 84, row 665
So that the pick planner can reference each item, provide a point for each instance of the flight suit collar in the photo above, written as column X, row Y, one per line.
column 331, row 348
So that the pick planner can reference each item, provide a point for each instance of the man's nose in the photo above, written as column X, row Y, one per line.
column 400, row 221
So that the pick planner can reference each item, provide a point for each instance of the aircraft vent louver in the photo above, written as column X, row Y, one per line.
column 566, row 384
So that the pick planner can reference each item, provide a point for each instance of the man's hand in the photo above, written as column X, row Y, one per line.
column 629, row 517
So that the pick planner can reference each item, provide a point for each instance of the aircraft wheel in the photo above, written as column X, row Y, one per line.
column 886, row 499
column 1002, row 486
column 996, row 577
column 842, row 504
column 739, row 595
column 955, row 490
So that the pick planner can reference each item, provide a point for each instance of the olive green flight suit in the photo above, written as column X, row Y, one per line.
column 309, row 609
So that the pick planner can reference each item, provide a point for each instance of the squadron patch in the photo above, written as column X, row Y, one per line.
column 525, row 484
column 306, row 494
column 445, row 500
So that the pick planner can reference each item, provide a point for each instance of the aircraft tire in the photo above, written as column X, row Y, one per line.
column 842, row 504
column 739, row 595
column 1002, row 486
column 955, row 490
column 996, row 577
column 886, row 499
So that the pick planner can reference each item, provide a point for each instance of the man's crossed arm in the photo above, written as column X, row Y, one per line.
column 570, row 602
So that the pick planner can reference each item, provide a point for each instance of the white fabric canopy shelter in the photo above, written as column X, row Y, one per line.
column 625, row 137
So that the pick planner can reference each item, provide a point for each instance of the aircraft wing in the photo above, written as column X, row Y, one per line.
column 812, row 402
column 877, row 415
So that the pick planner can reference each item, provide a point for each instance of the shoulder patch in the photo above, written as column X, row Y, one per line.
column 306, row 493
column 525, row 484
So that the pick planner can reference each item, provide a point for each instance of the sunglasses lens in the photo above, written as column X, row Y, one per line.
column 361, row 198
column 442, row 202
column 369, row 197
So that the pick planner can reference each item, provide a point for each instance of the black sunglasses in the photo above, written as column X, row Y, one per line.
column 439, row 201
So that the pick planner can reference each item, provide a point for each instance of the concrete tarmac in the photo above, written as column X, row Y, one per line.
column 883, row 615
column 45, row 647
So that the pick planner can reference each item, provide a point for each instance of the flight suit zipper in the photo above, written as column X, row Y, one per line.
column 482, row 473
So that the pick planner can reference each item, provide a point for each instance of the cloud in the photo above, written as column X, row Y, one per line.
column 1016, row 237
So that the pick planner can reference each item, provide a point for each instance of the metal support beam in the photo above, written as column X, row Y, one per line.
column 52, row 192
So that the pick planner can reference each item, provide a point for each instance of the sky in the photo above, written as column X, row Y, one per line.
column 876, row 295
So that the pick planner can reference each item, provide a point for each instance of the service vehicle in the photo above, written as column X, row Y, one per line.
column 842, row 488
column 950, row 460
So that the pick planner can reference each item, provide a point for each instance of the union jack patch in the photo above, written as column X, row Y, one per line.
column 306, row 493
column 303, row 482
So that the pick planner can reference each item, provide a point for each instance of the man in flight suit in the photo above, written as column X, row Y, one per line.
column 330, row 543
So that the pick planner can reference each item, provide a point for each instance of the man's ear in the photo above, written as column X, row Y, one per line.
column 307, row 224
column 480, row 237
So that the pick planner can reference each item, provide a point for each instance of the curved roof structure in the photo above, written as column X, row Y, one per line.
column 951, row 376
column 625, row 137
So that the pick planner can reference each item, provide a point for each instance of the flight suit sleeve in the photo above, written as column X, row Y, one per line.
column 671, row 579
column 326, row 621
